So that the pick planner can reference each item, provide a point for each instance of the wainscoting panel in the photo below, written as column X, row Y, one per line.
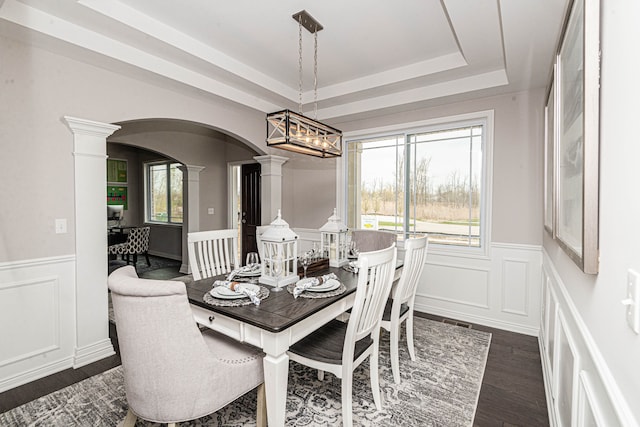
column 463, row 285
column 41, row 305
column 515, row 286
column 579, row 386
column 501, row 290
column 37, row 314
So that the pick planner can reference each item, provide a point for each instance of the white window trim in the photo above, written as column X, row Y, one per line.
column 487, row 117
column 147, row 220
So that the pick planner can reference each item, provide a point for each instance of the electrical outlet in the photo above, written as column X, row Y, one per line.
column 210, row 211
column 632, row 301
column 61, row 226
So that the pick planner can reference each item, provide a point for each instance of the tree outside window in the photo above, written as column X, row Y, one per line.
column 419, row 182
column 164, row 193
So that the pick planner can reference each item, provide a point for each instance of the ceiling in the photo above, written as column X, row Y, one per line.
column 374, row 57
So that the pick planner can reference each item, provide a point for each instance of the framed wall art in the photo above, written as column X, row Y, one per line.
column 549, row 144
column 577, row 117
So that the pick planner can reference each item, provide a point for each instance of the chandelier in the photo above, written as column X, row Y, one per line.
column 293, row 131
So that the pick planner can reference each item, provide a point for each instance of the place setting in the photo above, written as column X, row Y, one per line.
column 240, row 287
column 323, row 286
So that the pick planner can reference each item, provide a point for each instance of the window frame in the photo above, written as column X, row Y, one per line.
column 148, row 192
column 486, row 118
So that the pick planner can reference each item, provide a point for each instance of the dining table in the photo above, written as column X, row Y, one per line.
column 277, row 323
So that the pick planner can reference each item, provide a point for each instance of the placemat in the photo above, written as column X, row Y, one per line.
column 313, row 295
column 209, row 299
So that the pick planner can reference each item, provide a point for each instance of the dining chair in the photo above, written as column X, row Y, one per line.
column 399, row 308
column 372, row 240
column 137, row 243
column 339, row 347
column 212, row 253
column 173, row 372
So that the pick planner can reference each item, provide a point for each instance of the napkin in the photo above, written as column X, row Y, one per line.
column 310, row 282
column 240, row 288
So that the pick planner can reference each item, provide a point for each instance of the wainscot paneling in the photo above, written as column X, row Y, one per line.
column 37, row 314
column 579, row 386
column 501, row 290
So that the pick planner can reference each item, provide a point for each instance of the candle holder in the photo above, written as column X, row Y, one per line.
column 279, row 254
column 333, row 240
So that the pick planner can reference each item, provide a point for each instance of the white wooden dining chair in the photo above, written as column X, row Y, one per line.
column 212, row 253
column 399, row 307
column 339, row 347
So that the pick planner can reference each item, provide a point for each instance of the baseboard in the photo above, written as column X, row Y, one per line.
column 166, row 255
column 480, row 320
column 93, row 353
column 35, row 374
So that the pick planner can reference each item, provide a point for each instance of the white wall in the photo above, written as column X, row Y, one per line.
column 608, row 351
column 40, row 88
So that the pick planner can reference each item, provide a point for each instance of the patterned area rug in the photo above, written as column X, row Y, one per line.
column 440, row 388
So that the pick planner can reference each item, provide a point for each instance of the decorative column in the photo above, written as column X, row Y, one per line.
column 92, row 312
column 270, row 185
column 192, row 222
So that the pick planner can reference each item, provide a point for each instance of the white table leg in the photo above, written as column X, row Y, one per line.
column 276, row 375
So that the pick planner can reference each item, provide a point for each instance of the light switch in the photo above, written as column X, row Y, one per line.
column 61, row 225
column 632, row 301
column 210, row 211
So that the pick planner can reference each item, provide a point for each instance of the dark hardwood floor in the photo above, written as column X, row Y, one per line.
column 512, row 392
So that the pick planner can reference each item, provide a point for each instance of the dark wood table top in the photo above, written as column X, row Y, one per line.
column 280, row 310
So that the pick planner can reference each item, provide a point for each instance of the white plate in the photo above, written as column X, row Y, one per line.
column 329, row 285
column 249, row 273
column 223, row 292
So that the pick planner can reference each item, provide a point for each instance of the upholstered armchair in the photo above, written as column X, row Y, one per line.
column 137, row 243
column 372, row 240
column 173, row 372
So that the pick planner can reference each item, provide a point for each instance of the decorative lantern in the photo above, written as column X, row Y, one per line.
column 333, row 240
column 279, row 254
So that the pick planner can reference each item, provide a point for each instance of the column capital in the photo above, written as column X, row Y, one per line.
column 193, row 172
column 89, row 127
column 271, row 165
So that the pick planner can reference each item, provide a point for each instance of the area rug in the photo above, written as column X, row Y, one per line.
column 440, row 388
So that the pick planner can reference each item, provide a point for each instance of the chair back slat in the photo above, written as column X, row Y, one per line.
column 375, row 278
column 212, row 253
column 414, row 261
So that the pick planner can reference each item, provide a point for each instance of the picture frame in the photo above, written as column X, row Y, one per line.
column 549, row 156
column 577, row 148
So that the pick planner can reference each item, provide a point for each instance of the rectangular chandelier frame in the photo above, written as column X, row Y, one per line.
column 294, row 132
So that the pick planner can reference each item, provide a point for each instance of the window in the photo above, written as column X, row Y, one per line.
column 430, row 179
column 164, row 192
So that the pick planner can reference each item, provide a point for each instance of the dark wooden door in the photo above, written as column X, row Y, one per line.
column 249, row 207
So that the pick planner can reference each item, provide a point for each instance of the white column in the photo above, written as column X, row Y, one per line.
column 193, row 210
column 270, row 185
column 90, row 190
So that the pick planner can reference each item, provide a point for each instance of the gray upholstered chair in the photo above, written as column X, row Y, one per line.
column 372, row 240
column 212, row 253
column 137, row 243
column 173, row 372
column 339, row 347
column 399, row 307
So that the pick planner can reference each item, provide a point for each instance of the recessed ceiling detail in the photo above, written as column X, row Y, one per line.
column 369, row 62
